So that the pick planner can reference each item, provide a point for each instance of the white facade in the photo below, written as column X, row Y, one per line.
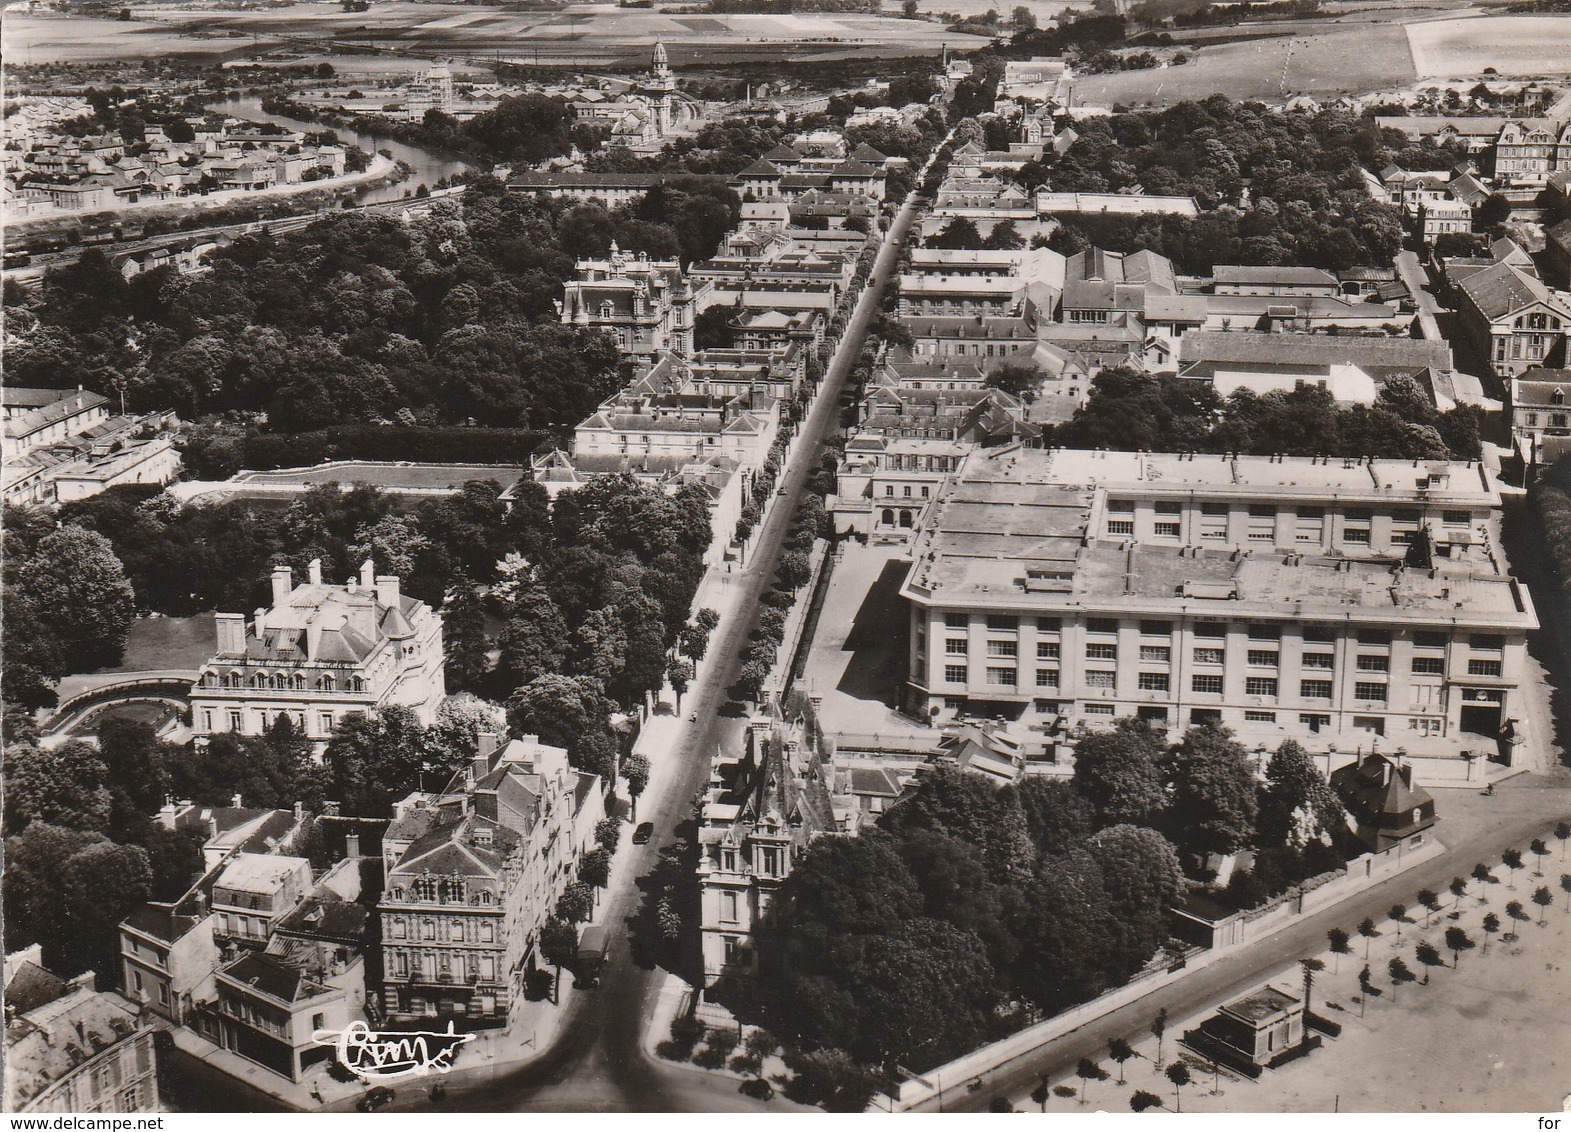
column 321, row 652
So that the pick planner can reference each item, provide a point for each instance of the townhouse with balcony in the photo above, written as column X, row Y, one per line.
column 321, row 652
column 763, row 808
column 473, row 873
column 268, row 1004
column 646, row 305
column 1323, row 600
column 253, row 893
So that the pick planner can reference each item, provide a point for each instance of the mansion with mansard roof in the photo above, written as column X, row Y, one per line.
column 322, row 652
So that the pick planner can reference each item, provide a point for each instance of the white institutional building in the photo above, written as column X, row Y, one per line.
column 1280, row 596
column 321, row 652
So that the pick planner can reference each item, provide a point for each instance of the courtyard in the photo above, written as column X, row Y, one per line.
column 857, row 658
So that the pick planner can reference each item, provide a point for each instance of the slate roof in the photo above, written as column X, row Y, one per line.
column 73, row 403
column 326, row 917
column 266, row 974
column 1538, row 386
column 1500, row 290
column 1285, row 276
column 30, row 986
column 1368, row 353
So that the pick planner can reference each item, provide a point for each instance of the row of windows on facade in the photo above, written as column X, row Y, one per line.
column 1254, row 658
column 482, row 1005
column 427, row 889
column 946, row 349
column 1556, row 420
column 435, row 964
column 1368, row 691
column 1519, row 347
column 235, row 718
column 282, row 682
column 1215, row 630
column 768, row 860
column 399, row 927
column 1451, row 517
column 1315, row 721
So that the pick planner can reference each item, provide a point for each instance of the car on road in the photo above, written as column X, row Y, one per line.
column 643, row 833
column 377, row 1097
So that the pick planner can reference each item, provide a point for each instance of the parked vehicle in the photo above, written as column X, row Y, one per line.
column 593, row 946
column 643, row 833
column 757, row 1088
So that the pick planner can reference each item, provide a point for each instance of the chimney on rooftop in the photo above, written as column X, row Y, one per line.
column 367, row 574
column 260, row 619
column 283, row 584
column 299, row 811
column 231, row 633
column 387, row 590
column 352, row 845
column 235, row 801
column 315, row 571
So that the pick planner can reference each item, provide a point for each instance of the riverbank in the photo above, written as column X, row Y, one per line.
column 382, row 172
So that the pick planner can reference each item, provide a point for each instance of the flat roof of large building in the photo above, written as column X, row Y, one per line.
column 1015, row 529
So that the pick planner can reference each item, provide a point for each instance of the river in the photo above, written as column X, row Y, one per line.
column 428, row 167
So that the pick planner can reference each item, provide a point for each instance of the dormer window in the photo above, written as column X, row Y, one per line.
column 1558, row 397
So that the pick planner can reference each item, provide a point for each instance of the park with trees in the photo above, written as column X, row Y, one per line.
column 1306, row 202
column 974, row 910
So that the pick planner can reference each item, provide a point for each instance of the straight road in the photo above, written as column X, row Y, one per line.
column 597, row 1064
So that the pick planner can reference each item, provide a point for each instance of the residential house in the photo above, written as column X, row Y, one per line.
column 1380, row 798
column 72, row 1049
column 253, row 893
column 1540, row 412
column 646, row 305
column 1557, row 255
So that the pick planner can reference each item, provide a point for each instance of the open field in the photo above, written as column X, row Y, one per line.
column 388, row 477
column 584, row 36
column 1512, row 45
column 55, row 39
column 1342, row 61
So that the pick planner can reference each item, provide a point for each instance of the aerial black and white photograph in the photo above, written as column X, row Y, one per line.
column 786, row 556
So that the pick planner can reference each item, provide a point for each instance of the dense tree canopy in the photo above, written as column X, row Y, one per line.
column 1134, row 411
column 1306, row 201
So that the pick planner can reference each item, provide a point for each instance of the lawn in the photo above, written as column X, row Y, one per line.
column 1344, row 60
column 158, row 643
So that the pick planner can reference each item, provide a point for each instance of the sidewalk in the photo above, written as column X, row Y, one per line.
column 316, row 1091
